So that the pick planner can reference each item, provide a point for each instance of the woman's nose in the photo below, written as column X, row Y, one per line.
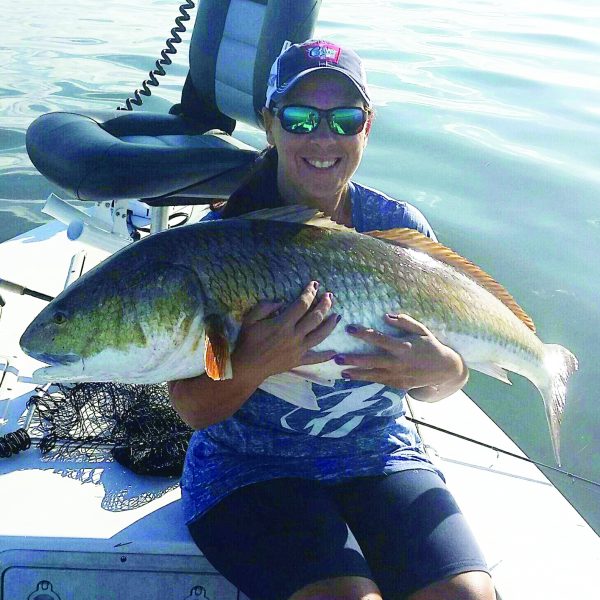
column 323, row 134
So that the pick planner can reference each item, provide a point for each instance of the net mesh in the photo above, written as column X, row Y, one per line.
column 136, row 423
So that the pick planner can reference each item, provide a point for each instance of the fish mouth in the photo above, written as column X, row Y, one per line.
column 60, row 367
column 54, row 360
column 63, row 373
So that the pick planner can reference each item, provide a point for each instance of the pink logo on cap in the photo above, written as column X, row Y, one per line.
column 324, row 51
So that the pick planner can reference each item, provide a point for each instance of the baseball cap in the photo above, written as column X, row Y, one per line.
column 298, row 60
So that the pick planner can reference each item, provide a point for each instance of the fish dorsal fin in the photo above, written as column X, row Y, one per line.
column 296, row 213
column 411, row 238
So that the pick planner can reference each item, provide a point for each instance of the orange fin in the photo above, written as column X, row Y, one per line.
column 411, row 238
column 217, row 355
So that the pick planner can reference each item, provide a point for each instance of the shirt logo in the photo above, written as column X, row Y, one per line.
column 348, row 408
column 324, row 52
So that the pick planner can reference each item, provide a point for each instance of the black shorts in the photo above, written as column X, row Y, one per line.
column 404, row 531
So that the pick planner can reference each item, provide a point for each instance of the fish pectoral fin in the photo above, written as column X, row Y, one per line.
column 491, row 369
column 292, row 388
column 217, row 352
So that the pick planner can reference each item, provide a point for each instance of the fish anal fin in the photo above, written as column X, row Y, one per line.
column 411, row 238
column 217, row 355
column 491, row 369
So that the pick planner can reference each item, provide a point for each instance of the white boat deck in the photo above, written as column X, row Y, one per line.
column 64, row 533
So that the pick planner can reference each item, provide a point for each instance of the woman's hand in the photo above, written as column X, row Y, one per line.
column 273, row 340
column 416, row 360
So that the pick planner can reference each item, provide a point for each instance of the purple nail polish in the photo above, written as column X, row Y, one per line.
column 351, row 329
column 338, row 318
column 339, row 359
column 346, row 375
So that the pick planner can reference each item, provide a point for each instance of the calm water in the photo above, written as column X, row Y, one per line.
column 488, row 120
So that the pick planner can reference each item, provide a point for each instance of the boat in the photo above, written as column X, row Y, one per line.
column 78, row 524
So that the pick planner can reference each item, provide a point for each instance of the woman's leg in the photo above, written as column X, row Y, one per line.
column 414, row 537
column 281, row 538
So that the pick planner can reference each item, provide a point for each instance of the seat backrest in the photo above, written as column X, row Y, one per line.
column 233, row 46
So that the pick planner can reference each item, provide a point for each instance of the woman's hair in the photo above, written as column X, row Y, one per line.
column 257, row 191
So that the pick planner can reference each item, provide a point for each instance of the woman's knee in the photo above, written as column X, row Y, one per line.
column 339, row 588
column 473, row 585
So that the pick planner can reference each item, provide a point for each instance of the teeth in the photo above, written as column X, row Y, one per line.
column 321, row 164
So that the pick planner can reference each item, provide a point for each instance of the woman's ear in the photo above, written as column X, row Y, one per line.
column 268, row 118
column 368, row 124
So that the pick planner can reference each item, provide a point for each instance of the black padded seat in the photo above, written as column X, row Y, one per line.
column 189, row 155
column 121, row 155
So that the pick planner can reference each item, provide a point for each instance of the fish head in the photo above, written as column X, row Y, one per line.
column 77, row 325
column 47, row 338
column 115, row 324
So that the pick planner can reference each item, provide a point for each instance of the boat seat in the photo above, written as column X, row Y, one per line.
column 187, row 156
column 126, row 155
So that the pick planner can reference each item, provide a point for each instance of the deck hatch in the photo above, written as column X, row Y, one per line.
column 72, row 575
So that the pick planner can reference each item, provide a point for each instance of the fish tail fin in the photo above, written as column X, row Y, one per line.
column 559, row 365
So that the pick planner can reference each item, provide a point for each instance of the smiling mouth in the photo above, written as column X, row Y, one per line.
column 322, row 164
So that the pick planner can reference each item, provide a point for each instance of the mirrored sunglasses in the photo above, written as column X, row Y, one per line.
column 343, row 120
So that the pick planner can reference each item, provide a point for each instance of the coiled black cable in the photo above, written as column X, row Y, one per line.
column 13, row 443
column 165, row 60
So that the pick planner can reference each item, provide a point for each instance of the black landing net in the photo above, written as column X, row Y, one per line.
column 136, row 423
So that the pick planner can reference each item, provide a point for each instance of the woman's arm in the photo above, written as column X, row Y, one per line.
column 269, row 342
column 416, row 361
column 202, row 401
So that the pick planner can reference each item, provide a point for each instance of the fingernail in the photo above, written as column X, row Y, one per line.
column 338, row 318
column 346, row 375
column 352, row 328
column 330, row 296
column 315, row 285
column 339, row 359
column 392, row 316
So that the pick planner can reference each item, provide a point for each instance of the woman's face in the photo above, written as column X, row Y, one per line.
column 314, row 168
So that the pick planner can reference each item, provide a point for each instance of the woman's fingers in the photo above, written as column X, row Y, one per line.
column 379, row 339
column 299, row 307
column 315, row 316
column 261, row 310
column 317, row 335
column 407, row 323
column 313, row 358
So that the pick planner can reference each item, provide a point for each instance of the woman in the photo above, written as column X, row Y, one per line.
column 343, row 502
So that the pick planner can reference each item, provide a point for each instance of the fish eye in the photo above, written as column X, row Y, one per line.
column 59, row 318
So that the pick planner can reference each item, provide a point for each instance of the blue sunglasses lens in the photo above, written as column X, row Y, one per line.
column 299, row 119
column 347, row 121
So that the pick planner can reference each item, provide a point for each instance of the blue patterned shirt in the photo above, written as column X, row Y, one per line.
column 360, row 428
